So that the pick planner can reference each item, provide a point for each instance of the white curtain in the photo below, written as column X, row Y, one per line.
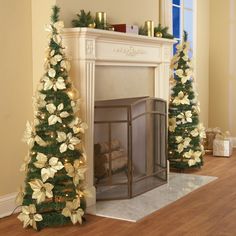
column 166, row 14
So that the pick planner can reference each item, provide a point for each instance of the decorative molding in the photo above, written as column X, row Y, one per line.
column 129, row 51
column 7, row 204
column 167, row 53
column 90, row 50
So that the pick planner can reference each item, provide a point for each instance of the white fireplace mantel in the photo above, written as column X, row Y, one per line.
column 87, row 48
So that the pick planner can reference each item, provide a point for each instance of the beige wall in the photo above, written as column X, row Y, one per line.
column 18, row 78
column 122, row 11
column 41, row 11
column 15, row 89
column 202, row 56
column 222, row 112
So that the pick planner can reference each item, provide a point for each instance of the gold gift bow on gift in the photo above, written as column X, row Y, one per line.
column 214, row 130
column 223, row 135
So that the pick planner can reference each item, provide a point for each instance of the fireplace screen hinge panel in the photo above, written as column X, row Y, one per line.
column 130, row 141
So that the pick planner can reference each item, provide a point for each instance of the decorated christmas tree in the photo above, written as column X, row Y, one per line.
column 54, row 191
column 185, row 131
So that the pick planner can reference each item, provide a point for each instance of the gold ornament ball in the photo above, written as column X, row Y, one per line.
column 158, row 34
column 73, row 94
column 42, row 116
column 93, row 25
column 111, row 28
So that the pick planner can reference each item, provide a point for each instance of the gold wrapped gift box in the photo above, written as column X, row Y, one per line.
column 223, row 148
column 208, row 141
column 222, row 145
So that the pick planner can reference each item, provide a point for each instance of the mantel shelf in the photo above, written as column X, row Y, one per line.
column 98, row 33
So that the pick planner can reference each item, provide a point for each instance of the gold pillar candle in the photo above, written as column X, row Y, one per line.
column 101, row 17
column 149, row 25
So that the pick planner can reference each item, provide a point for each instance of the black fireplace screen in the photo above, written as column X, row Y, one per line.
column 130, row 139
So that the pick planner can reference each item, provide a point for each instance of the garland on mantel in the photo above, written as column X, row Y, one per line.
column 87, row 20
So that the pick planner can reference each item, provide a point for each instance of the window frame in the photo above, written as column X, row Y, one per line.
column 194, row 13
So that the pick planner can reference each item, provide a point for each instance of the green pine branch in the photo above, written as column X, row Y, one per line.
column 55, row 14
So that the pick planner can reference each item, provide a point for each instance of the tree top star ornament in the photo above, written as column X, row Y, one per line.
column 185, row 148
column 54, row 191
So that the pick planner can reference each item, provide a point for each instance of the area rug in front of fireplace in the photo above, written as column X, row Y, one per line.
column 138, row 207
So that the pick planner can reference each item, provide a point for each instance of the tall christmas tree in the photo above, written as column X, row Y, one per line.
column 54, row 192
column 185, row 131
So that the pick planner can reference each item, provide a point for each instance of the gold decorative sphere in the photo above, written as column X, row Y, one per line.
column 72, row 93
column 42, row 116
column 92, row 25
column 158, row 34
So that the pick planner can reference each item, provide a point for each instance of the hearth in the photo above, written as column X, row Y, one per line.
column 130, row 146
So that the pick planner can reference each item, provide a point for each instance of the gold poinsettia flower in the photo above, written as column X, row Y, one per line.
column 186, row 117
column 194, row 132
column 194, row 157
column 41, row 190
column 29, row 216
column 48, row 167
column 76, row 171
column 196, row 108
column 179, row 73
column 24, row 166
column 73, row 211
column 68, row 141
column 172, row 81
column 20, row 196
column 56, row 113
column 184, row 75
column 39, row 101
column 30, row 137
column 181, row 99
column 174, row 62
column 182, row 143
column 201, row 130
column 172, row 124
column 55, row 59
column 65, row 64
column 180, row 47
column 83, row 191
column 59, row 25
column 185, row 57
column 78, row 126
column 56, row 84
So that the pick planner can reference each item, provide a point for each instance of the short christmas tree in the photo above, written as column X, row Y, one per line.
column 54, row 192
column 185, row 132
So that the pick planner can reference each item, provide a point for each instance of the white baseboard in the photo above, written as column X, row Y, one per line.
column 7, row 204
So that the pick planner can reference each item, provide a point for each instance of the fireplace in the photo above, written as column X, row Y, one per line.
column 130, row 147
column 92, row 50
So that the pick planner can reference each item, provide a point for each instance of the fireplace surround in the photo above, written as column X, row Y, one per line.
column 88, row 49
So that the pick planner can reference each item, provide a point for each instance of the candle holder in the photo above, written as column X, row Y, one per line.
column 101, row 19
column 149, row 25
